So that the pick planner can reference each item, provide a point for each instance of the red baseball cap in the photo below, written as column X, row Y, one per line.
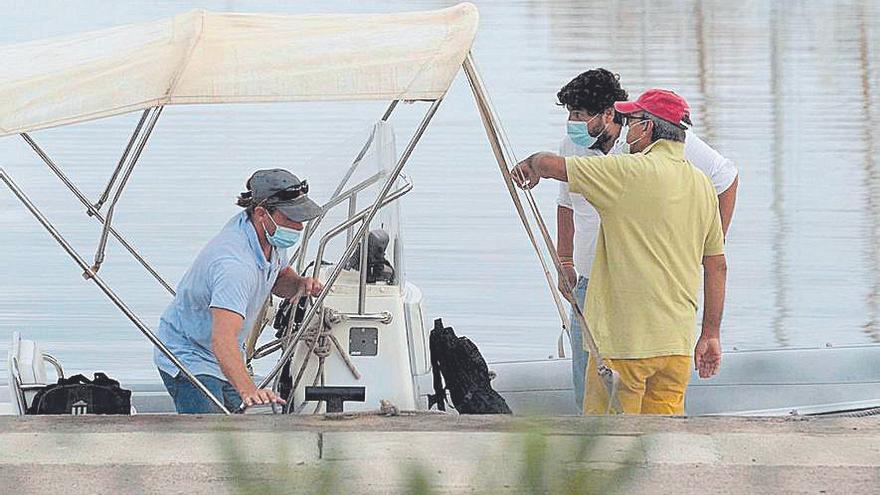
column 660, row 103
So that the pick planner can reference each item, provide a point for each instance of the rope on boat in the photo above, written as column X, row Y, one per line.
column 320, row 343
column 345, row 357
column 386, row 408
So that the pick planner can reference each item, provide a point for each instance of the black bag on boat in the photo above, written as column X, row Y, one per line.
column 465, row 372
column 79, row 395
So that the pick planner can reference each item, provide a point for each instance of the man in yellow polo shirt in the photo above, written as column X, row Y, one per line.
column 659, row 226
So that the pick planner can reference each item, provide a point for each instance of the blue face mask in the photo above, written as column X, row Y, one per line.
column 580, row 134
column 283, row 237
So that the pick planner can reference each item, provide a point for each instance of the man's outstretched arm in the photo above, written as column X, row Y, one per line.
column 542, row 165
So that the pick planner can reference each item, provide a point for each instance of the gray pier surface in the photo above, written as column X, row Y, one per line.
column 428, row 453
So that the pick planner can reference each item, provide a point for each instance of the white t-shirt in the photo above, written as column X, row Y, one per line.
column 720, row 171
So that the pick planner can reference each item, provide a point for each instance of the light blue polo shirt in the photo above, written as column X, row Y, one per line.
column 231, row 272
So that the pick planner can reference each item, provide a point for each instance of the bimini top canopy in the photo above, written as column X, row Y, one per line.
column 206, row 57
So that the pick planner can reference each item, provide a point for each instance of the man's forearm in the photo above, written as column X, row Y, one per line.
column 549, row 166
column 564, row 233
column 225, row 327
column 726, row 205
column 715, row 281
column 232, row 365
column 288, row 284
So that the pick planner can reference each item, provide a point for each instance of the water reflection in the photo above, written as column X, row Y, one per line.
column 780, row 262
column 872, row 191
column 788, row 90
column 704, row 76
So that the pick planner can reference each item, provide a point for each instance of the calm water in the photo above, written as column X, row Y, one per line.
column 788, row 90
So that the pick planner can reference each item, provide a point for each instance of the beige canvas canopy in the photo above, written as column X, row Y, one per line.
column 206, row 57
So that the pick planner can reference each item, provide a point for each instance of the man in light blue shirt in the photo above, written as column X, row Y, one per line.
column 224, row 290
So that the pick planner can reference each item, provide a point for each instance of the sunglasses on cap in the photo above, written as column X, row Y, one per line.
column 291, row 192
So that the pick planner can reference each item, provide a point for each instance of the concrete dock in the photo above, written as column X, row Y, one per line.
column 437, row 454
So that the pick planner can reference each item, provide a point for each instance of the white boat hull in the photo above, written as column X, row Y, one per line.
column 752, row 383
column 764, row 382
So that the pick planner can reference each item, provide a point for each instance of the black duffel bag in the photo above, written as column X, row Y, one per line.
column 79, row 395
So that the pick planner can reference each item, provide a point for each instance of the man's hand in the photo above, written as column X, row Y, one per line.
column 707, row 356
column 567, row 283
column 311, row 286
column 528, row 172
column 525, row 173
column 707, row 353
column 290, row 285
column 257, row 396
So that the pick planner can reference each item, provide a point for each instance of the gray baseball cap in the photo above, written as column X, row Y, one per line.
column 284, row 191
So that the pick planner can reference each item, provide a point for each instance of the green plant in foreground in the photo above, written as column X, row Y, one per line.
column 417, row 481
column 532, row 462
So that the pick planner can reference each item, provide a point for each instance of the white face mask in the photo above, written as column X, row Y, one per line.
column 620, row 146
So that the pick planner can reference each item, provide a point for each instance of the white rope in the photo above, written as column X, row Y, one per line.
column 321, row 345
column 386, row 408
column 345, row 357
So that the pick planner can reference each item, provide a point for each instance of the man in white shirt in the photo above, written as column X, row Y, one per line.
column 594, row 128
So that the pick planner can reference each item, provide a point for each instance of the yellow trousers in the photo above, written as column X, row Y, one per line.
column 647, row 386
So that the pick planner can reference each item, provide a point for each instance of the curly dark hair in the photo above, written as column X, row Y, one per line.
column 593, row 91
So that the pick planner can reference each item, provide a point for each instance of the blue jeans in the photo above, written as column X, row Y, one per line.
column 578, row 354
column 190, row 400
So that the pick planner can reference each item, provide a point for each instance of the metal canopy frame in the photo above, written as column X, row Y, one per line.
column 92, row 210
column 142, row 142
column 291, row 338
column 4, row 176
column 359, row 217
column 339, row 196
column 137, row 143
column 124, row 169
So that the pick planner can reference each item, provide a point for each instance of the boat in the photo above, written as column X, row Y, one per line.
column 363, row 341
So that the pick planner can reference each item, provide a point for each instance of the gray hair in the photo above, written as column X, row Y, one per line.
column 665, row 130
